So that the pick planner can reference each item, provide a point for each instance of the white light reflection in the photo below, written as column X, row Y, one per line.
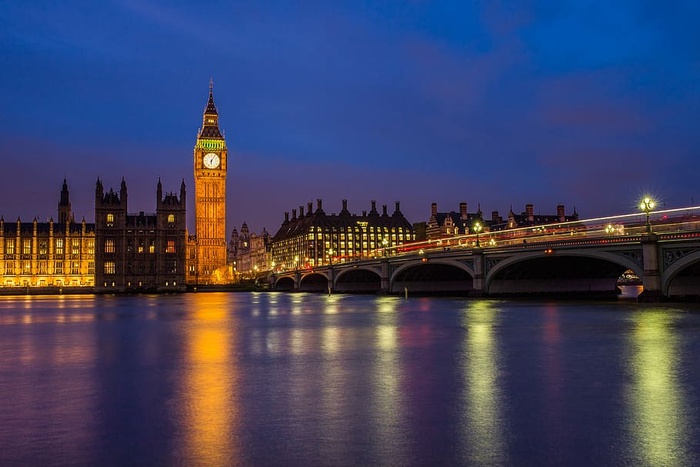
column 657, row 402
column 482, row 407
column 387, row 405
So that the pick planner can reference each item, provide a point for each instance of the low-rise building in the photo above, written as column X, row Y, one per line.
column 139, row 251
column 315, row 238
column 48, row 254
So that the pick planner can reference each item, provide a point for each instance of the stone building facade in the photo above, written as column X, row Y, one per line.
column 137, row 252
column 315, row 238
column 53, row 255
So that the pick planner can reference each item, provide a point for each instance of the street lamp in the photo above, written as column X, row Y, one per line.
column 330, row 256
column 647, row 205
column 385, row 243
column 477, row 228
column 296, row 262
column 609, row 229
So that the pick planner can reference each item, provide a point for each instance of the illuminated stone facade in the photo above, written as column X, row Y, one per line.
column 249, row 253
column 49, row 254
column 210, row 168
column 315, row 238
column 139, row 252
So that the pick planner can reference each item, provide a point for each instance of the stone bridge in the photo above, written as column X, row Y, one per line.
column 668, row 265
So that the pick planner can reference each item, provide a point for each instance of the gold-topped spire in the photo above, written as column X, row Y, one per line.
column 210, row 120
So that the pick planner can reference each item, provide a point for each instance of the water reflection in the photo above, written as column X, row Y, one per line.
column 48, row 391
column 209, row 409
column 388, row 401
column 656, row 398
column 482, row 408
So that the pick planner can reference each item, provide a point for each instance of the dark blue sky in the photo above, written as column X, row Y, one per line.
column 503, row 103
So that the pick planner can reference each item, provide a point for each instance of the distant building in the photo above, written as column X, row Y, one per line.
column 528, row 217
column 449, row 224
column 249, row 253
column 48, row 254
column 139, row 252
column 315, row 238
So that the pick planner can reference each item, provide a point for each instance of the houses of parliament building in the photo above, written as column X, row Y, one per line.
column 124, row 251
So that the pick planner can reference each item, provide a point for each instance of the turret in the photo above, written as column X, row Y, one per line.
column 122, row 193
column 159, row 193
column 64, row 207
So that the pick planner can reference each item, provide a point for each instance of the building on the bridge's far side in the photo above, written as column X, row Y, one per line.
column 449, row 224
column 48, row 254
column 315, row 238
column 528, row 218
column 249, row 253
column 139, row 252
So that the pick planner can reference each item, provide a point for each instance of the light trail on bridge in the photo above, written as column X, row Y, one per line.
column 617, row 228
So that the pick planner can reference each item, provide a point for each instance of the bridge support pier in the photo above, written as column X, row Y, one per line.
column 384, row 288
column 652, row 275
column 297, row 281
column 478, row 282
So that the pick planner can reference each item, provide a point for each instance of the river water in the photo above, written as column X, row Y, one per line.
column 303, row 379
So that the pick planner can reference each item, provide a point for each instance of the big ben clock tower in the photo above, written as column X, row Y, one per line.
column 210, row 166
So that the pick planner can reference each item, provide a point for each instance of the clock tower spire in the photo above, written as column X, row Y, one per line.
column 210, row 169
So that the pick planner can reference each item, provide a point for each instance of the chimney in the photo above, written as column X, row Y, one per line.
column 494, row 216
column 319, row 204
column 294, row 214
column 384, row 210
column 374, row 206
column 364, row 213
column 301, row 211
column 433, row 209
column 309, row 208
column 463, row 210
column 530, row 212
column 560, row 213
column 345, row 205
column 286, row 217
column 398, row 208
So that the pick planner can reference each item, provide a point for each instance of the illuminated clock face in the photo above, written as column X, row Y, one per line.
column 211, row 161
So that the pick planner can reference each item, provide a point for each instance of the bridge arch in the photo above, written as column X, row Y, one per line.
column 315, row 281
column 358, row 280
column 682, row 278
column 558, row 272
column 284, row 283
column 433, row 276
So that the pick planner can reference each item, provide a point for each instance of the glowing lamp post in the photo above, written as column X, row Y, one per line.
column 296, row 263
column 647, row 205
column 385, row 243
column 330, row 257
column 477, row 228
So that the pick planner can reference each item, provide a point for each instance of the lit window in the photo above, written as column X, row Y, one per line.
column 171, row 247
column 10, row 246
column 26, row 246
column 26, row 267
column 152, row 246
column 171, row 218
column 110, row 219
column 59, row 246
column 43, row 247
column 91, row 246
column 91, row 267
column 110, row 267
column 59, row 267
column 75, row 246
column 75, row 268
column 109, row 245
